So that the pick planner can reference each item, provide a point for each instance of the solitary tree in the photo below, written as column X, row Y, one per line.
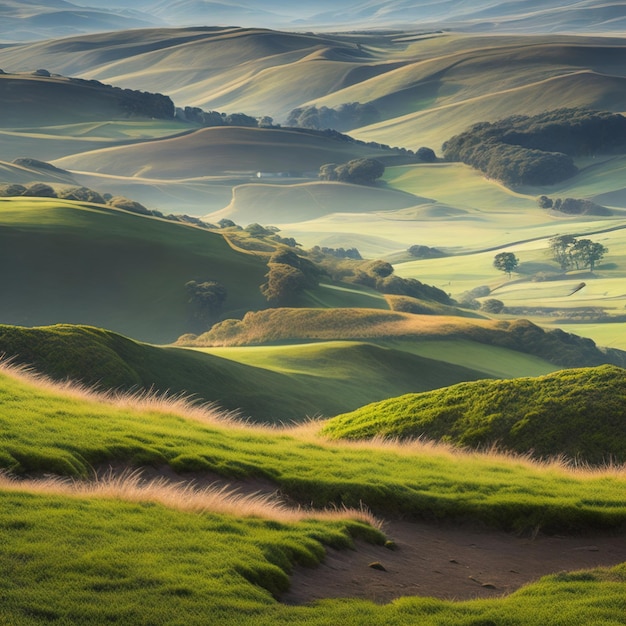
column 505, row 262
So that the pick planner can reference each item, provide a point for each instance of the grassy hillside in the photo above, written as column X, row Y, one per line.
column 92, row 264
column 280, row 383
column 577, row 413
column 221, row 150
column 283, row 325
column 88, row 552
column 273, row 203
column 67, row 431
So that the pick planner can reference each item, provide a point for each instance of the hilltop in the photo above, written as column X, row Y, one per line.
column 576, row 413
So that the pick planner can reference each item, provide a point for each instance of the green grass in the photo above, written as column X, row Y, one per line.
column 50, row 431
column 93, row 561
column 576, row 413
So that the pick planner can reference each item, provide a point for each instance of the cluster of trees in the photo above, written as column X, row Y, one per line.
column 196, row 115
column 379, row 275
column 573, row 206
column 537, row 150
column 339, row 253
column 206, row 301
column 131, row 101
column 343, row 117
column 425, row 252
column 287, row 278
column 571, row 253
column 357, row 171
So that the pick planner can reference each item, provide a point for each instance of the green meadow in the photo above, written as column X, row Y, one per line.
column 121, row 551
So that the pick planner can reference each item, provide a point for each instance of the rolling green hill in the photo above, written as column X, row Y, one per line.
column 280, row 383
column 577, row 413
column 92, row 551
column 84, row 263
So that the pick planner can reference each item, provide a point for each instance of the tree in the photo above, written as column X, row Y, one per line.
column 544, row 202
column 561, row 249
column 426, row 155
column 586, row 253
column 505, row 262
column 284, row 284
column 206, row 300
column 357, row 171
column 492, row 306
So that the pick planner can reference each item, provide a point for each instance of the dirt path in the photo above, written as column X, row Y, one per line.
column 449, row 562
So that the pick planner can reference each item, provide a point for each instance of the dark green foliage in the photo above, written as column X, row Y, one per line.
column 40, row 190
column 544, row 202
column 492, row 305
column 120, row 202
column 206, row 300
column 340, row 253
column 343, row 117
column 574, row 206
column 8, row 190
column 256, row 230
column 506, row 262
column 578, row 413
column 425, row 252
column 357, row 171
column 284, row 284
column 537, row 150
column 426, row 155
column 570, row 252
column 82, row 194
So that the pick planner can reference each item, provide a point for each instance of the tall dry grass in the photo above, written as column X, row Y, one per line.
column 130, row 486
column 308, row 431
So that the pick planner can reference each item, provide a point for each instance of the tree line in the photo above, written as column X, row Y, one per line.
column 537, row 150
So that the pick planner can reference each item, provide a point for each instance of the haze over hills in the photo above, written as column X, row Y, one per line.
column 37, row 19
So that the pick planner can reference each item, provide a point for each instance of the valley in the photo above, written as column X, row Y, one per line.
column 312, row 313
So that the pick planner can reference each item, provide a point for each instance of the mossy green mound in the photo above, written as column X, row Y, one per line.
column 578, row 413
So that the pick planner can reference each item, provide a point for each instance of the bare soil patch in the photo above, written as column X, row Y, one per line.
column 449, row 562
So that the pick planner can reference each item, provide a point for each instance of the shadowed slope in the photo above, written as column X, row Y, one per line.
column 277, row 384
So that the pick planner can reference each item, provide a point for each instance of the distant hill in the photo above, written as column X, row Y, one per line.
column 24, row 20
column 425, row 87
column 41, row 99
column 222, row 150
column 576, row 413
column 282, row 385
column 274, row 203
